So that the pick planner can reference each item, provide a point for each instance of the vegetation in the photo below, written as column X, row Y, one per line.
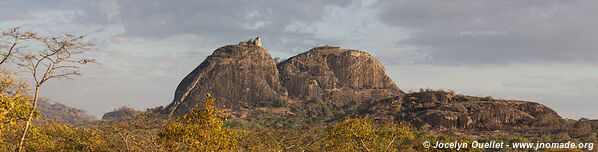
column 56, row 136
column 44, row 58
column 14, row 107
column 280, row 103
column 200, row 130
column 362, row 134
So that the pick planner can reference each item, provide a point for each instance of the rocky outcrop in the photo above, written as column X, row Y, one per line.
column 446, row 110
column 245, row 75
column 336, row 75
column 236, row 75
column 60, row 112
column 122, row 113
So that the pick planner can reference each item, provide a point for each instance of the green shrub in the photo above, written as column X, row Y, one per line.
column 280, row 103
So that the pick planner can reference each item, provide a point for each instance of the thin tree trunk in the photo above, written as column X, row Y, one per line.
column 28, row 123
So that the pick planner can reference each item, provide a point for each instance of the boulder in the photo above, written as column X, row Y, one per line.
column 336, row 75
column 236, row 75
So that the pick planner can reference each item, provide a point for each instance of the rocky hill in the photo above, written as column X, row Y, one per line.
column 122, row 113
column 237, row 75
column 330, row 83
column 336, row 75
column 244, row 76
column 60, row 112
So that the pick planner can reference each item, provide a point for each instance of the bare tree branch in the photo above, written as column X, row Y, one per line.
column 59, row 57
column 15, row 36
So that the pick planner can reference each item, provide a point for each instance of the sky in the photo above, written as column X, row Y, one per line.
column 538, row 50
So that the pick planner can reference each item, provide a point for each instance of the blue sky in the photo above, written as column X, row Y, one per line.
column 539, row 50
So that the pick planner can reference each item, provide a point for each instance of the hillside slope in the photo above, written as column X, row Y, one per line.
column 60, row 112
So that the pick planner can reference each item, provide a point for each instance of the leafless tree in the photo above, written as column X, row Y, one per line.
column 56, row 57
column 9, row 43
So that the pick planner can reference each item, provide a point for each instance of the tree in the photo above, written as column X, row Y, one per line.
column 200, row 130
column 364, row 135
column 55, row 57
column 9, row 43
column 14, row 108
column 306, row 138
column 57, row 136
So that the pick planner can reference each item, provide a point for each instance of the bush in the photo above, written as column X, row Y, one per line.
column 200, row 130
column 280, row 103
column 56, row 136
column 363, row 134
column 15, row 107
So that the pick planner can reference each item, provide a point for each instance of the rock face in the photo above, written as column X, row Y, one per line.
column 337, row 75
column 236, row 75
column 446, row 110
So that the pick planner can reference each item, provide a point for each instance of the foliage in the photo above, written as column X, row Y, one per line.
column 56, row 136
column 280, row 103
column 44, row 58
column 306, row 113
column 13, row 110
column 318, row 111
column 346, row 135
column 139, row 133
column 201, row 130
column 363, row 134
column 15, row 106
column 307, row 138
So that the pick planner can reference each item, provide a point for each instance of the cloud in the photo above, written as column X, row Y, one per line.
column 473, row 32
column 228, row 21
column 224, row 17
column 222, row 21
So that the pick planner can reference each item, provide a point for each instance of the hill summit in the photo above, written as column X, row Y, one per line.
column 244, row 76
column 237, row 75
column 337, row 75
